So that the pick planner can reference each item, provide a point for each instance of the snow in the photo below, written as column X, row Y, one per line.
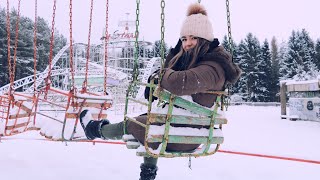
column 94, row 98
column 183, row 131
column 250, row 129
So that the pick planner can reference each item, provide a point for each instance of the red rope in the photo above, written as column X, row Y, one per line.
column 220, row 151
column 270, row 156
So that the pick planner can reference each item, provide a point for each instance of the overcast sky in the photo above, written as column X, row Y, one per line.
column 264, row 18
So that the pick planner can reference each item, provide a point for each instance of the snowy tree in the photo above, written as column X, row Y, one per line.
column 308, row 53
column 249, row 54
column 263, row 85
column 283, row 63
column 317, row 56
column 25, row 49
column 274, row 80
column 3, row 49
column 301, row 53
column 226, row 44
column 156, row 51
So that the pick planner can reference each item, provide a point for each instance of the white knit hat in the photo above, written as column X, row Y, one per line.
column 197, row 23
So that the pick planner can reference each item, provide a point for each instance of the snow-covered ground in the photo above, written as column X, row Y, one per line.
column 257, row 130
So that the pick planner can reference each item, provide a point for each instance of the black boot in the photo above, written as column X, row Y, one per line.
column 91, row 128
column 148, row 171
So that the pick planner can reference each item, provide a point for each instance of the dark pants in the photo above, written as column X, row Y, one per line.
column 115, row 131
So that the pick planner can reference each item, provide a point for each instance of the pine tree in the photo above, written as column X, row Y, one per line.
column 264, row 74
column 317, row 56
column 294, row 61
column 283, row 62
column 156, row 51
column 249, row 54
column 275, row 68
column 308, row 54
column 24, row 60
column 301, row 53
column 3, row 49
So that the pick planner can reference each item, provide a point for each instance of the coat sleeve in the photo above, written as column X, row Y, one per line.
column 195, row 80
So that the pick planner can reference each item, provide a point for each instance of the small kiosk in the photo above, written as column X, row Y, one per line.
column 303, row 98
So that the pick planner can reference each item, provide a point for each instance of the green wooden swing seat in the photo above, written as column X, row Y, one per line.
column 160, row 128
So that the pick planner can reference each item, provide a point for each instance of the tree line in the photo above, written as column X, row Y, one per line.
column 25, row 48
column 264, row 65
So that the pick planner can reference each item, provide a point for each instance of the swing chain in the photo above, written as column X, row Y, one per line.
column 35, row 46
column 162, row 30
column 16, row 43
column 106, row 50
column 9, row 53
column 229, row 29
column 162, row 43
column 85, row 82
column 231, row 49
column 136, row 53
column 72, row 88
column 71, row 43
column 48, row 78
column 189, row 163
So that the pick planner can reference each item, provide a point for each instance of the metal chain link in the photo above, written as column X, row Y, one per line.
column 48, row 79
column 136, row 51
column 9, row 52
column 162, row 31
column 85, row 82
column 199, row 1
column 35, row 45
column 16, row 44
column 231, row 48
column 106, row 49
column 71, row 43
column 162, row 43
column 72, row 86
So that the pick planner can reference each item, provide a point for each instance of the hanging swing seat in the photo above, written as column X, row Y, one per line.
column 91, row 101
column 194, row 124
column 17, row 112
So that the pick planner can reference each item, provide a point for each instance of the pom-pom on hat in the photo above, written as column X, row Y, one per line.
column 197, row 23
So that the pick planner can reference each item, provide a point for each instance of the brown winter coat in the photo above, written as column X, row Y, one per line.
column 212, row 72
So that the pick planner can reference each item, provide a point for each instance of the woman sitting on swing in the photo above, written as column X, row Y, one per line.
column 197, row 64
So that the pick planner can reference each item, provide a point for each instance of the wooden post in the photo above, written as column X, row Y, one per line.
column 283, row 99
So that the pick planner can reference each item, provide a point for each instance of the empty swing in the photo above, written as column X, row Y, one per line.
column 17, row 109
